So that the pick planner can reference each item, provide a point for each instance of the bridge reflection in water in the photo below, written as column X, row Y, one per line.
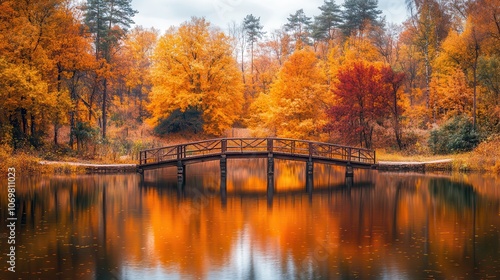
column 268, row 148
column 247, row 178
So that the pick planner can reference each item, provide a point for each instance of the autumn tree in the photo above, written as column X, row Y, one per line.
column 40, row 42
column 137, row 55
column 429, row 25
column 72, row 55
column 364, row 96
column 24, row 99
column 108, row 21
column 194, row 71
column 279, row 45
column 489, row 78
column 484, row 17
column 353, row 48
column 266, row 67
column 453, row 95
column 410, row 62
column 297, row 99
column 463, row 51
column 393, row 81
column 485, row 24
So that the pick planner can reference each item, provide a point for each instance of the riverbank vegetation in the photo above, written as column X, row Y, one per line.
column 82, row 85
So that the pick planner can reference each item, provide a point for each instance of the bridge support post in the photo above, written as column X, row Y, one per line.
column 309, row 175
column 223, row 174
column 141, row 172
column 270, row 174
column 349, row 176
column 181, row 174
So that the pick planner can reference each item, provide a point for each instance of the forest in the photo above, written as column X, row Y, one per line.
column 80, row 79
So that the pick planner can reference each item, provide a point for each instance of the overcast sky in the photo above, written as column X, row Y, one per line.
column 161, row 14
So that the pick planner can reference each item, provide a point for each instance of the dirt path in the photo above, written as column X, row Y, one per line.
column 95, row 168
column 415, row 162
column 88, row 164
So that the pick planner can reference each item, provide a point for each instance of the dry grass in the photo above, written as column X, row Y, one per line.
column 22, row 161
column 485, row 158
column 383, row 155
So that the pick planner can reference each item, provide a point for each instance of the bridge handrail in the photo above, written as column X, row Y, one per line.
column 270, row 145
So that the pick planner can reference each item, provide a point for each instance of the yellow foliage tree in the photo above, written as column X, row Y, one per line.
column 361, row 47
column 39, row 42
column 24, row 101
column 133, row 63
column 194, row 69
column 297, row 99
column 355, row 48
column 451, row 95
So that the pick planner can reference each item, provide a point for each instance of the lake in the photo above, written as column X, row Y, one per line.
column 124, row 226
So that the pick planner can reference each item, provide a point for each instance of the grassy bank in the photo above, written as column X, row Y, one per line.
column 27, row 163
column 485, row 158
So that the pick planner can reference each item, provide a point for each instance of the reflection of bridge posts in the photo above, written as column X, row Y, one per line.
column 349, row 175
column 223, row 170
column 223, row 174
column 270, row 174
column 181, row 174
column 309, row 175
column 270, row 168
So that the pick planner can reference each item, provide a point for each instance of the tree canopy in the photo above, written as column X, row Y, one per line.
column 194, row 69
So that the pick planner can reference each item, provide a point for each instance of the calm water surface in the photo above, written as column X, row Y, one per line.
column 386, row 226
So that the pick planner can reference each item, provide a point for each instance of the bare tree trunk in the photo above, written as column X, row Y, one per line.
column 104, row 107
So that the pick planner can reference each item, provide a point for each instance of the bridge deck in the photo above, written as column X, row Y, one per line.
column 279, row 148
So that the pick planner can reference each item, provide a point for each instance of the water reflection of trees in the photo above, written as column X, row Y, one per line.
column 454, row 194
column 406, row 226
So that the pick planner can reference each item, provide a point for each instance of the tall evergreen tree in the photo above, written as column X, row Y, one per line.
column 299, row 25
column 108, row 21
column 358, row 14
column 253, row 31
column 329, row 19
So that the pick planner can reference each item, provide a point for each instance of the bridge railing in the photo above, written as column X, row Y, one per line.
column 245, row 145
column 290, row 147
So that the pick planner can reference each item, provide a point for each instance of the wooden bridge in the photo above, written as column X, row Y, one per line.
column 270, row 148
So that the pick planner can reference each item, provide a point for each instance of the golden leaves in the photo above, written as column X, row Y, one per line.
column 193, row 68
column 296, row 102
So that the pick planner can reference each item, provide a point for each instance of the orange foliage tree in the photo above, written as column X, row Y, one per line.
column 38, row 43
column 134, row 60
column 194, row 69
column 295, row 106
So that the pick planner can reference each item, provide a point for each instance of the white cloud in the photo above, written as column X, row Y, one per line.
column 162, row 14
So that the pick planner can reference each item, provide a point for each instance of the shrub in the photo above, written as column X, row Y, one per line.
column 190, row 120
column 456, row 135
column 84, row 133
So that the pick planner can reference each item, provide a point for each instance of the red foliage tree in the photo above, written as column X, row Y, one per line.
column 365, row 96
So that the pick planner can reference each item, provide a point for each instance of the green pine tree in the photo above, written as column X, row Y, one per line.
column 358, row 14
column 299, row 25
column 325, row 24
column 253, row 31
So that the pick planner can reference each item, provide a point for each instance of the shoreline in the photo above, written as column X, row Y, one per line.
column 91, row 168
column 95, row 168
column 419, row 166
